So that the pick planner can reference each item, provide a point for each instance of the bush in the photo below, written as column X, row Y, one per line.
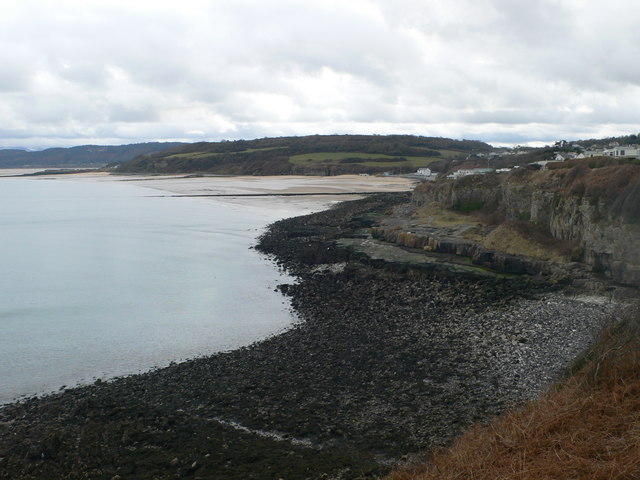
column 574, row 175
column 468, row 206
column 627, row 204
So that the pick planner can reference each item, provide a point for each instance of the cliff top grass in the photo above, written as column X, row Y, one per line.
column 587, row 428
column 512, row 237
column 613, row 184
column 437, row 215
column 515, row 238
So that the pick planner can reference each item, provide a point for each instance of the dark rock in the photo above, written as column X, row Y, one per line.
column 383, row 362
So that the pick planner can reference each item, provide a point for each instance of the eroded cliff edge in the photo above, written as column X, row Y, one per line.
column 578, row 217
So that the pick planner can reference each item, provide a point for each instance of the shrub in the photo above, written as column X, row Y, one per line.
column 627, row 204
column 468, row 206
column 574, row 175
column 577, row 254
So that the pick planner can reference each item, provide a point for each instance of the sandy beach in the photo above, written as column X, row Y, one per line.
column 12, row 172
column 265, row 185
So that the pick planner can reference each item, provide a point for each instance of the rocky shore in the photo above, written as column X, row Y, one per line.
column 386, row 361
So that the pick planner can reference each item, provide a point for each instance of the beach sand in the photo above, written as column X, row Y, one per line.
column 349, row 185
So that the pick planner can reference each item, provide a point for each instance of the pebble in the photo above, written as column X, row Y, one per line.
column 380, row 364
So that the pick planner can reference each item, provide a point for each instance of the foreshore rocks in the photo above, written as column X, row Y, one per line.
column 381, row 364
column 435, row 242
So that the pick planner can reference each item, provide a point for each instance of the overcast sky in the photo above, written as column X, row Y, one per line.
column 503, row 71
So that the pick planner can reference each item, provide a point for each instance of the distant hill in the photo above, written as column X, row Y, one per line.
column 603, row 142
column 82, row 156
column 310, row 155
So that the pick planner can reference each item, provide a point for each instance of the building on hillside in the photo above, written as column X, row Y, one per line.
column 623, row 151
column 424, row 172
column 543, row 163
column 594, row 152
column 465, row 172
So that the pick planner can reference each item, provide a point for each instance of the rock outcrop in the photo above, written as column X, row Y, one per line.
column 480, row 256
column 570, row 206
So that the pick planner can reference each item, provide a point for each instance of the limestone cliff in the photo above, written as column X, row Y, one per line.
column 598, row 209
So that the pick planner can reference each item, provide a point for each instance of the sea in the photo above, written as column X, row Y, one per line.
column 104, row 279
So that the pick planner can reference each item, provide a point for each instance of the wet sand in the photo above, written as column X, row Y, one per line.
column 265, row 185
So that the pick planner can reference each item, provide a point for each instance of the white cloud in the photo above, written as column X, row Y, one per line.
column 114, row 71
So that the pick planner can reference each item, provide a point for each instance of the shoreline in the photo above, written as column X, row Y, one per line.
column 265, row 210
column 383, row 364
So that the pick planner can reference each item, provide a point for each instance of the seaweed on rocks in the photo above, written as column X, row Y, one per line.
column 308, row 240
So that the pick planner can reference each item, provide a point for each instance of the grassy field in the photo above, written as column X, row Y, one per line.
column 437, row 215
column 367, row 159
column 214, row 154
column 250, row 150
column 193, row 155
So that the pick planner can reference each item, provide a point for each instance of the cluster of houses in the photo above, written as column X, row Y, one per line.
column 427, row 174
column 612, row 150
column 621, row 151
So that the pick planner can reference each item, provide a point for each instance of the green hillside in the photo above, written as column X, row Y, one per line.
column 81, row 156
column 311, row 155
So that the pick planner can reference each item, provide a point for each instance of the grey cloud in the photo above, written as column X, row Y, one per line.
column 122, row 113
column 13, row 80
column 87, row 74
column 242, row 68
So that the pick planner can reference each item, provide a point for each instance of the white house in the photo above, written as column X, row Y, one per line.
column 594, row 152
column 623, row 151
column 424, row 172
column 543, row 163
column 473, row 171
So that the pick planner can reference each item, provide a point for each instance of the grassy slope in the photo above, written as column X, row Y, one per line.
column 329, row 154
column 334, row 158
column 81, row 156
column 509, row 237
column 588, row 428
column 369, row 159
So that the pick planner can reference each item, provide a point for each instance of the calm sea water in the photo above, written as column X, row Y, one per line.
column 104, row 279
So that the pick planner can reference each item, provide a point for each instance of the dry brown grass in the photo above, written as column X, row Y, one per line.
column 523, row 238
column 437, row 215
column 615, row 186
column 588, row 429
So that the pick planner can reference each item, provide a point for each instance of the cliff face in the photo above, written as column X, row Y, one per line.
column 580, row 207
